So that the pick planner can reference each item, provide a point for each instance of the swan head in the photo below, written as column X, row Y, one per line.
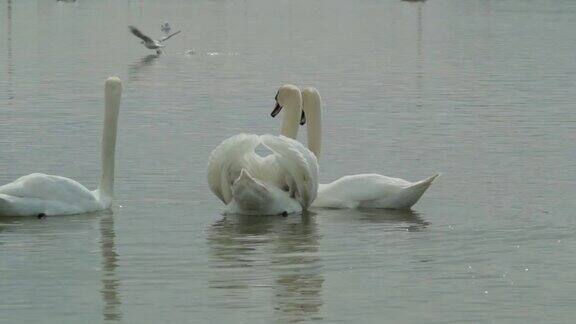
column 249, row 192
column 254, row 197
column 288, row 96
column 113, row 85
column 311, row 101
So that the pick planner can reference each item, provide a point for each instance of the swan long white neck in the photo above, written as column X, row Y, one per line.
column 292, row 112
column 312, row 106
column 113, row 91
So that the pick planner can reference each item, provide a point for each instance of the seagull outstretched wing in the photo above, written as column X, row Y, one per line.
column 139, row 34
column 165, row 38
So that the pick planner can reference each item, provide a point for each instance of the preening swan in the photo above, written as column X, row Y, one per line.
column 360, row 190
column 40, row 194
column 283, row 182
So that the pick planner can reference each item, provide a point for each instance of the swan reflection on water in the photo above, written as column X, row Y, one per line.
column 48, row 235
column 390, row 219
column 110, row 283
column 276, row 255
column 43, row 234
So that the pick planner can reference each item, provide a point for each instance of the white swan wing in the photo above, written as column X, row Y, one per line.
column 371, row 190
column 41, row 193
column 48, row 187
column 361, row 187
column 227, row 160
column 298, row 164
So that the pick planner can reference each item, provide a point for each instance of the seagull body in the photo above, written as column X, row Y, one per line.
column 149, row 42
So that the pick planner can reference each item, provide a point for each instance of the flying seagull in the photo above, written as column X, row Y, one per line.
column 149, row 42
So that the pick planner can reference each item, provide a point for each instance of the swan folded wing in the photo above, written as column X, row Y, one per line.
column 26, row 206
column 298, row 163
column 48, row 187
column 227, row 160
column 351, row 190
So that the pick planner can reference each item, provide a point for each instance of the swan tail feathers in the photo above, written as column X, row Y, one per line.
column 423, row 184
column 9, row 206
column 426, row 182
column 414, row 192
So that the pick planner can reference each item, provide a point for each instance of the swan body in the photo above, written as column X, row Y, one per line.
column 283, row 182
column 371, row 191
column 360, row 190
column 38, row 193
column 41, row 194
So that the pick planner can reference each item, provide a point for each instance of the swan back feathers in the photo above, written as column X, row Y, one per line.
column 290, row 165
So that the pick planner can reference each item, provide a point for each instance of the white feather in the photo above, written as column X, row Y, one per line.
column 282, row 182
column 371, row 191
column 39, row 193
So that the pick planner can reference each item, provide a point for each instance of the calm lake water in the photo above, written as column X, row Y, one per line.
column 480, row 90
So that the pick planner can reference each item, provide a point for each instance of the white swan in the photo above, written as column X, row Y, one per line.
column 360, row 190
column 283, row 182
column 40, row 194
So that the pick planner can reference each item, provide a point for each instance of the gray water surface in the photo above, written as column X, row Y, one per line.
column 480, row 90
